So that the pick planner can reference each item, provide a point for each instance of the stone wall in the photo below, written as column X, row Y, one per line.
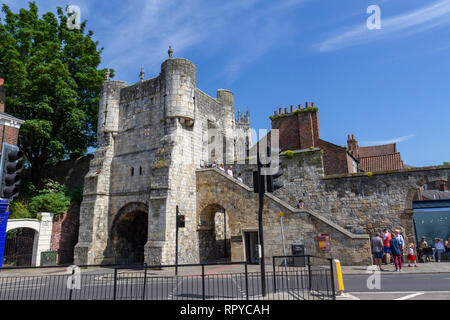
column 356, row 201
column 300, row 226
column 152, row 136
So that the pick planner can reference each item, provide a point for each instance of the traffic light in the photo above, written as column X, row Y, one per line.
column 273, row 185
column 181, row 221
column 11, row 166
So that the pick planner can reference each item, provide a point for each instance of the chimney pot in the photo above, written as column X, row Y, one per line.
column 276, row 113
column 312, row 104
column 285, row 111
column 307, row 104
column 299, row 106
column 280, row 111
column 353, row 137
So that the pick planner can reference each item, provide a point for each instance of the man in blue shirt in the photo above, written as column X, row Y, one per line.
column 402, row 242
column 396, row 252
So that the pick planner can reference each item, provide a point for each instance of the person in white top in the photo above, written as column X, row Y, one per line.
column 230, row 171
column 240, row 178
column 214, row 165
column 221, row 167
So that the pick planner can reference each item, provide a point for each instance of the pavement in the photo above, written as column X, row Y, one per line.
column 427, row 267
column 423, row 268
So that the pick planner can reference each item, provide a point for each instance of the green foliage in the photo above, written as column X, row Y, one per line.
column 55, row 202
column 298, row 111
column 18, row 210
column 52, row 83
column 289, row 153
column 52, row 198
column 369, row 174
column 76, row 195
column 306, row 110
column 446, row 163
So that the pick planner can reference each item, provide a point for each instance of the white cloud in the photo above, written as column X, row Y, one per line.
column 243, row 30
column 431, row 16
column 382, row 142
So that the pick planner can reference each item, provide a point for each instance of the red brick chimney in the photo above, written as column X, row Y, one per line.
column 298, row 130
column 2, row 95
column 353, row 147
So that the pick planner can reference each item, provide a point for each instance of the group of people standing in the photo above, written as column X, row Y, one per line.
column 391, row 244
column 229, row 171
column 439, row 248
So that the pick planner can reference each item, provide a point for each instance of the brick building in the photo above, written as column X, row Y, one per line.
column 9, row 125
column 299, row 129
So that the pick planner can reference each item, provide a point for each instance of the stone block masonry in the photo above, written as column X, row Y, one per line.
column 152, row 138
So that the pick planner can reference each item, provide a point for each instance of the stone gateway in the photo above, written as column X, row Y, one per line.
column 153, row 155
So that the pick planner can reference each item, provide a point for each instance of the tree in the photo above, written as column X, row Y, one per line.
column 446, row 163
column 53, row 83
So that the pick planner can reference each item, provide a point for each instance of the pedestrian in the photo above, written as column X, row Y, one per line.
column 214, row 165
column 447, row 248
column 221, row 167
column 377, row 250
column 386, row 243
column 422, row 245
column 400, row 238
column 240, row 178
column 411, row 256
column 396, row 252
column 230, row 170
column 300, row 204
column 440, row 249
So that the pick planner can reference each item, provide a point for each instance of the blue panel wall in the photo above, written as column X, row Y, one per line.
column 3, row 222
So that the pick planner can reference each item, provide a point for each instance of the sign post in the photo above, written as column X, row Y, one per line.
column 176, row 242
column 282, row 237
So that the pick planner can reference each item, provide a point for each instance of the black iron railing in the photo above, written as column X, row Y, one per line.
column 225, row 281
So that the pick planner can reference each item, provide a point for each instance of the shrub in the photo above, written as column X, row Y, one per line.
column 17, row 210
column 52, row 198
column 369, row 174
column 54, row 202
column 76, row 195
column 289, row 154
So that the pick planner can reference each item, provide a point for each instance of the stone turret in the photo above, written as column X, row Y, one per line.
column 178, row 82
column 108, row 113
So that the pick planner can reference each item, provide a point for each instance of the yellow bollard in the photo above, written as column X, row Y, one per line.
column 338, row 280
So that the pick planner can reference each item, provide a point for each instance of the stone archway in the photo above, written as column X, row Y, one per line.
column 214, row 234
column 129, row 232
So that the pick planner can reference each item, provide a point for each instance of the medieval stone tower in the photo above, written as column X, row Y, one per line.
column 152, row 136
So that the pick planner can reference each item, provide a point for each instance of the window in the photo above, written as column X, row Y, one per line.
column 132, row 172
column 140, row 171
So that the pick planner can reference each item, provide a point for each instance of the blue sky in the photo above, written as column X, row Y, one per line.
column 385, row 85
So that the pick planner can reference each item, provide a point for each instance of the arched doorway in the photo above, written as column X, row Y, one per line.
column 214, row 235
column 129, row 234
column 19, row 245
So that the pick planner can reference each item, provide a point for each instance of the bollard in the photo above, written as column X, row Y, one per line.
column 337, row 277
